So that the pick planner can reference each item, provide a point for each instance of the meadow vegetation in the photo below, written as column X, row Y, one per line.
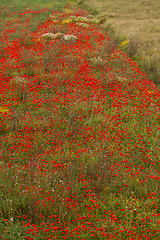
column 79, row 129
column 135, row 28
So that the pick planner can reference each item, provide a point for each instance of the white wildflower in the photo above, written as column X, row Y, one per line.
column 18, row 80
column 69, row 37
column 97, row 61
column 83, row 24
column 58, row 35
column 48, row 36
column 51, row 36
column 86, row 20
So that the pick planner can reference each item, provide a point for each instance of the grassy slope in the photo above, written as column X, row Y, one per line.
column 136, row 21
column 79, row 145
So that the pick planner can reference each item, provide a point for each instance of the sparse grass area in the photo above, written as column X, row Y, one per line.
column 137, row 22
column 79, row 130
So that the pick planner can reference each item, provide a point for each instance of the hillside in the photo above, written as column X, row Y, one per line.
column 79, row 131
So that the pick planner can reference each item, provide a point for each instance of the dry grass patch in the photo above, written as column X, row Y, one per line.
column 139, row 23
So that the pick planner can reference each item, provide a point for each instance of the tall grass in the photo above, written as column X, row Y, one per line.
column 138, row 24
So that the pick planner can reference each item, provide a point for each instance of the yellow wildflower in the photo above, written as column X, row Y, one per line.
column 68, row 10
column 66, row 21
column 124, row 43
column 3, row 109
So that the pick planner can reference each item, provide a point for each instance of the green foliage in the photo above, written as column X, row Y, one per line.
column 19, row 5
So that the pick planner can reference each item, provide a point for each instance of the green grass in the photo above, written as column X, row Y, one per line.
column 18, row 6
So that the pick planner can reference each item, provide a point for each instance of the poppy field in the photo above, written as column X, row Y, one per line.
column 79, row 131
